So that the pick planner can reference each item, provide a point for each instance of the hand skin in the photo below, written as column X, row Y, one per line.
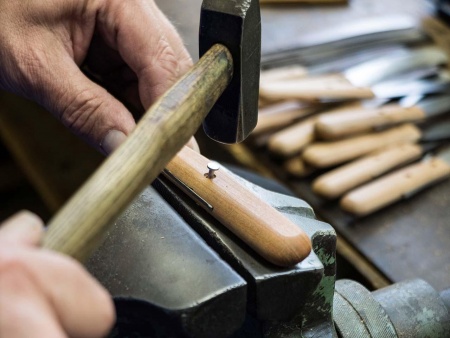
column 43, row 293
column 129, row 43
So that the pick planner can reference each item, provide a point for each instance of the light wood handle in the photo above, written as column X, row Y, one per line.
column 263, row 228
column 393, row 187
column 334, row 86
column 353, row 121
column 337, row 182
column 79, row 226
column 327, row 154
column 282, row 73
column 292, row 140
column 297, row 167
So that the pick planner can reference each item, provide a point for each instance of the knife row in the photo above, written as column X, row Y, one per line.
column 359, row 124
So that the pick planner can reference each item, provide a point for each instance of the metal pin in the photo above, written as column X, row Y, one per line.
column 212, row 167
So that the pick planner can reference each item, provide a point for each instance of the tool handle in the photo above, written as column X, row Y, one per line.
column 79, row 226
column 262, row 227
column 297, row 167
column 337, row 182
column 326, row 154
column 292, row 140
column 353, row 121
column 334, row 86
column 282, row 73
column 274, row 121
column 393, row 187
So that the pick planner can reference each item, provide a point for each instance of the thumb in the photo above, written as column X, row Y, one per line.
column 24, row 228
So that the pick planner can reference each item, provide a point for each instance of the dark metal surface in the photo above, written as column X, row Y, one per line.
column 164, row 275
column 415, row 309
column 236, row 25
column 284, row 301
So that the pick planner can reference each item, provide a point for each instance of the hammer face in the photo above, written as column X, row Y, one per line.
column 236, row 24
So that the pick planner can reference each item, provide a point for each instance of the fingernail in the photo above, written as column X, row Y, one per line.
column 112, row 141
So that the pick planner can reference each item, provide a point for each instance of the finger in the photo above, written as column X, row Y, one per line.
column 82, row 105
column 140, row 36
column 24, row 311
column 84, row 307
column 23, row 228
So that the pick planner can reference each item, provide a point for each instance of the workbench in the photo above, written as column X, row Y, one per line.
column 406, row 240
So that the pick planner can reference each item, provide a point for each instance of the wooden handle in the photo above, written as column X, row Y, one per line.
column 263, row 228
column 292, row 140
column 353, row 121
column 297, row 167
column 395, row 186
column 79, row 226
column 337, row 182
column 326, row 154
column 282, row 73
column 334, row 86
column 279, row 115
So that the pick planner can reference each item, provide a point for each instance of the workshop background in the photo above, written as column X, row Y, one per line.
column 42, row 164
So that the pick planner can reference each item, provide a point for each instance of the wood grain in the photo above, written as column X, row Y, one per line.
column 354, row 121
column 327, row 154
column 79, row 226
column 393, row 187
column 338, row 181
column 263, row 228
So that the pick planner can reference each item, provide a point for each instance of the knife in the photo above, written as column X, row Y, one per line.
column 359, row 82
column 278, row 115
column 400, row 184
column 337, row 182
column 291, row 140
column 352, row 121
column 339, row 40
column 327, row 154
column 260, row 226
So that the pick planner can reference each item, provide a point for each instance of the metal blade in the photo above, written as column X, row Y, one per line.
column 394, row 89
column 436, row 132
column 436, row 105
column 444, row 155
column 374, row 71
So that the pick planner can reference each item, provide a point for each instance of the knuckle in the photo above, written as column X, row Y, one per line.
column 11, row 263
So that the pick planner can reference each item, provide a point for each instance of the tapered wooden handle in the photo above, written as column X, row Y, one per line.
column 395, row 186
column 282, row 73
column 263, row 228
column 337, row 182
column 326, row 154
column 334, row 86
column 292, row 140
column 353, row 121
column 79, row 226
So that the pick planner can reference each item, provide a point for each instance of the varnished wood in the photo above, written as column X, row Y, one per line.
column 354, row 121
column 263, row 228
column 338, row 181
column 390, row 188
column 79, row 226
column 327, row 154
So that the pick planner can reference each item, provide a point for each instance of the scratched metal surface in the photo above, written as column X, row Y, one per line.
column 410, row 239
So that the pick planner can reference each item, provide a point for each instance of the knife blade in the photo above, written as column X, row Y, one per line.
column 339, row 40
column 337, row 124
column 367, row 80
column 327, row 154
column 337, row 182
column 400, row 184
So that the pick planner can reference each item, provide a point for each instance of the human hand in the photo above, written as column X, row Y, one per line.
column 45, row 294
column 130, row 43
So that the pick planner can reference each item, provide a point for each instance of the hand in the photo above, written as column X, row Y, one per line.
column 44, row 294
column 128, row 43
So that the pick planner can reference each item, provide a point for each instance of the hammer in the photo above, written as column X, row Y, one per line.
column 224, row 83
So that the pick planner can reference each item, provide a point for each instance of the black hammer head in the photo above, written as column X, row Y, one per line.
column 236, row 24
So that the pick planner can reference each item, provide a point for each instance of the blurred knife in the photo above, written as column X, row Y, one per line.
column 327, row 154
column 352, row 121
column 360, row 81
column 400, row 184
column 336, row 182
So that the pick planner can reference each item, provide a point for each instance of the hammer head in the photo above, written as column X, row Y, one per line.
column 236, row 24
